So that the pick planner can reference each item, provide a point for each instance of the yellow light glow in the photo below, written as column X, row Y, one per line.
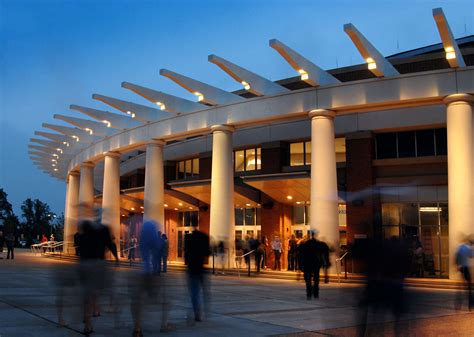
column 132, row 208
column 246, row 85
column 141, row 207
column 89, row 130
column 107, row 123
column 199, row 96
column 430, row 209
column 248, row 205
column 450, row 54
column 304, row 74
column 289, row 197
column 59, row 150
column 55, row 155
column 66, row 143
column 175, row 209
column 76, row 138
column 54, row 160
column 166, row 205
column 161, row 105
column 56, row 170
column 180, row 204
column 190, row 208
column 371, row 63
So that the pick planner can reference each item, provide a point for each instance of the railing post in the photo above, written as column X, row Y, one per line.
column 345, row 269
column 248, row 266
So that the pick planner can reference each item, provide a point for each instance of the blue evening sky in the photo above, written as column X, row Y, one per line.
column 55, row 53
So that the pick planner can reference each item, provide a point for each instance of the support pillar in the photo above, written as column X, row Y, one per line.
column 86, row 192
column 154, row 184
column 222, row 187
column 324, row 198
column 71, row 211
column 459, row 122
column 111, row 195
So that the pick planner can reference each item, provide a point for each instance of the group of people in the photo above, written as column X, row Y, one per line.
column 9, row 241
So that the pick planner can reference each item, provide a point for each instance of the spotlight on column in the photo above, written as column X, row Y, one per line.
column 304, row 74
column 199, row 96
column 371, row 63
column 161, row 105
column 246, row 85
column 450, row 53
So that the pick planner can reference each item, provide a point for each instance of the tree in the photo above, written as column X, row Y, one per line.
column 37, row 218
column 8, row 220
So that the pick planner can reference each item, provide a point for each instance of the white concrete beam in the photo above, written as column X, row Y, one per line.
column 205, row 93
column 140, row 112
column 309, row 72
column 110, row 119
column 451, row 48
column 92, row 127
column 164, row 101
column 46, row 142
column 76, row 134
column 252, row 82
column 376, row 63
column 58, row 138
column 44, row 149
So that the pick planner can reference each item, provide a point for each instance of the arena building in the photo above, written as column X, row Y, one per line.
column 380, row 149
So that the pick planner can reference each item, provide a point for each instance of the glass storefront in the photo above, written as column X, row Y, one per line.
column 247, row 222
column 187, row 221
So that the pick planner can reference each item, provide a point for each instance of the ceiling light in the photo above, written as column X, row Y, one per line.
column 132, row 114
column 166, row 205
column 304, row 74
column 89, row 130
column 180, row 204
column 450, row 54
column 141, row 207
column 199, row 96
column 298, row 202
column 107, row 123
column 371, row 63
column 66, row 143
column 289, row 197
column 175, row 209
column 161, row 105
column 190, row 208
column 55, row 170
column 132, row 208
column 55, row 155
column 430, row 209
column 75, row 137
column 246, row 85
column 248, row 205
column 59, row 150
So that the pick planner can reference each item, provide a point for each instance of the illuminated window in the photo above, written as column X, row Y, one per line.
column 248, row 160
column 187, row 168
column 188, row 219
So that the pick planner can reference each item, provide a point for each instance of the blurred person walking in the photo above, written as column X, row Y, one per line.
column 463, row 255
column 132, row 248
column 148, row 284
column 10, row 240
column 164, row 253
column 315, row 255
column 196, row 251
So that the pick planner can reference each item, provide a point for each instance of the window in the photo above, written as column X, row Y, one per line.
column 300, row 152
column 248, row 160
column 188, row 219
column 421, row 143
column 247, row 216
column 187, row 168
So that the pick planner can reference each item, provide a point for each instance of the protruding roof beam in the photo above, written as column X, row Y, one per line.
column 205, row 93
column 376, row 63
column 76, row 134
column 46, row 142
column 44, row 149
column 166, row 102
column 453, row 54
column 58, row 138
column 140, row 112
column 92, row 127
column 309, row 72
column 110, row 119
column 252, row 82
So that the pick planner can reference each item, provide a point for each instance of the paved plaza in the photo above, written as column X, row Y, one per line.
column 240, row 307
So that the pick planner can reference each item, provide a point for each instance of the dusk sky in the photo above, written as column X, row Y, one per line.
column 57, row 53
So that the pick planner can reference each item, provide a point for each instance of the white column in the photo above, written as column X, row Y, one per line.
column 111, row 195
column 324, row 198
column 86, row 191
column 459, row 122
column 221, row 227
column 154, row 184
column 71, row 211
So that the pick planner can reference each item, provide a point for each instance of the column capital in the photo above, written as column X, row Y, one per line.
column 322, row 113
column 88, row 164
column 74, row 173
column 455, row 98
column 112, row 154
column 222, row 127
column 156, row 142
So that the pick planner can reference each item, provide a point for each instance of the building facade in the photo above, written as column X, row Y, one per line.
column 380, row 149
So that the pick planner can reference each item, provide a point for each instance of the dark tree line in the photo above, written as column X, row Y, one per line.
column 37, row 219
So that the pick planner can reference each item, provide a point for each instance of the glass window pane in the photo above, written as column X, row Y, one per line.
column 391, row 231
column 307, row 146
column 259, row 158
column 181, row 170
column 425, row 143
column 441, row 142
column 194, row 219
column 250, row 160
column 308, row 213
column 386, row 145
column 196, row 166
column 406, row 144
column 239, row 161
column 239, row 217
column 296, row 154
column 188, row 168
column 390, row 214
column 249, row 216
column 259, row 216
column 298, row 215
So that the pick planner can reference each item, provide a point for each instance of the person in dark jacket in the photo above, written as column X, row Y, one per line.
column 315, row 255
column 2, row 242
column 10, row 240
column 292, row 246
column 196, row 251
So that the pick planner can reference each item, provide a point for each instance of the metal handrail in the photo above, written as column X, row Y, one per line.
column 239, row 259
column 339, row 266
